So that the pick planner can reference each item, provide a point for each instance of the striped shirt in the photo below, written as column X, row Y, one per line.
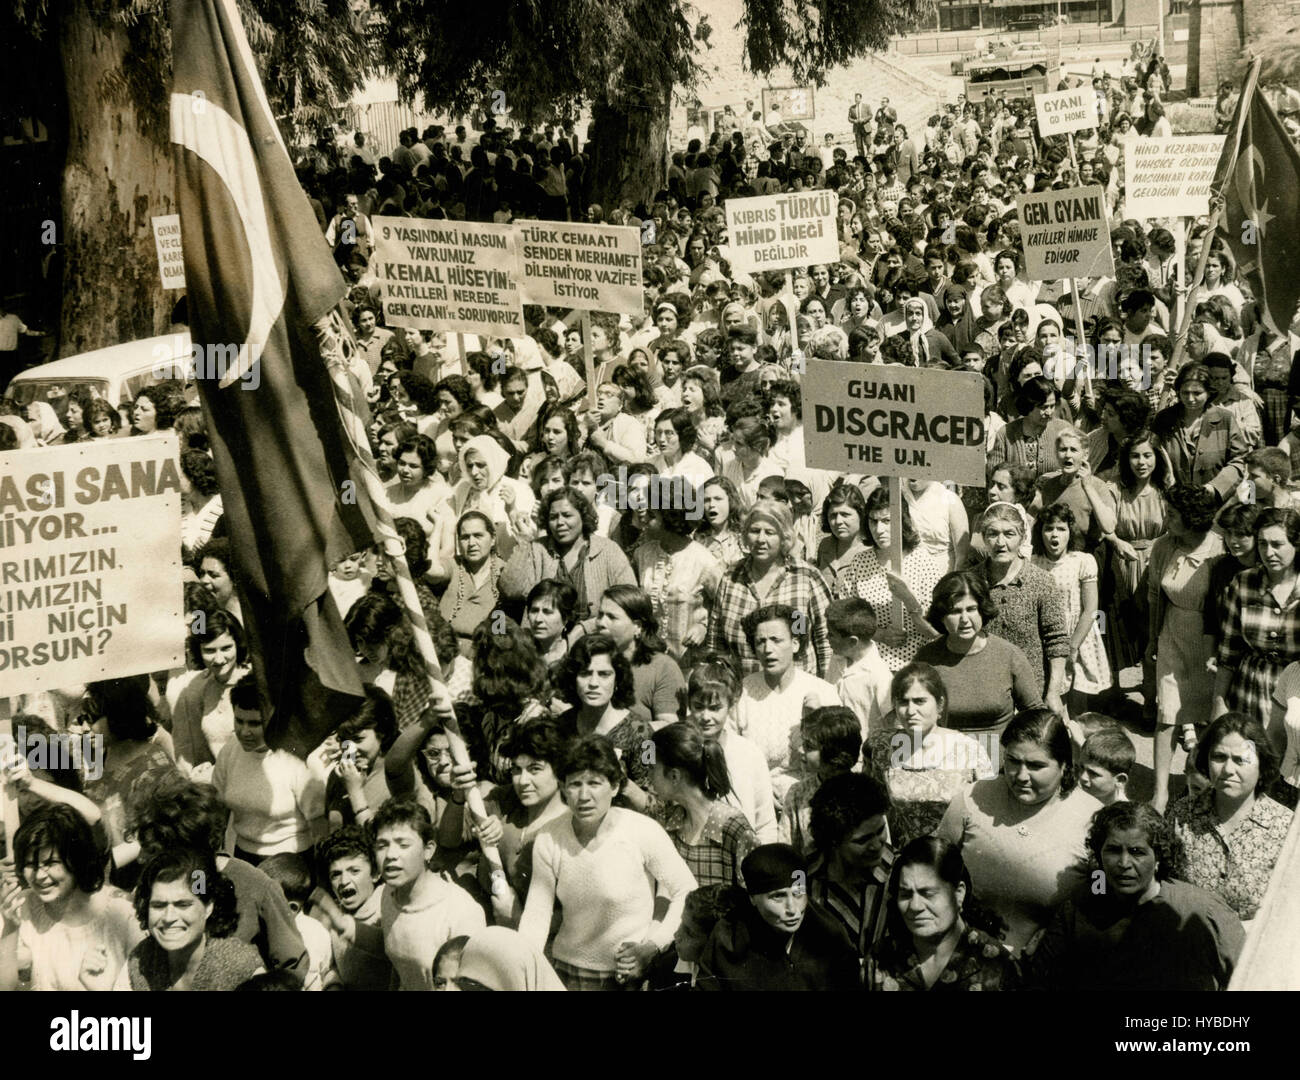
column 862, row 916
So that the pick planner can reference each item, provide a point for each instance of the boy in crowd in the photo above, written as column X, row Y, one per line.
column 832, row 744
column 293, row 874
column 859, row 673
column 1105, row 765
column 420, row 909
column 350, row 909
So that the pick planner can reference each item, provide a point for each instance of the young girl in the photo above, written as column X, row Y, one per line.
column 1056, row 549
column 712, row 693
column 719, row 528
column 1142, row 472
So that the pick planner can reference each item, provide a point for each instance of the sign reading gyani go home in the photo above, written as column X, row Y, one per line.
column 889, row 420
column 777, row 232
column 455, row 276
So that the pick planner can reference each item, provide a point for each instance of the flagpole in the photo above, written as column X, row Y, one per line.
column 1216, row 211
column 332, row 333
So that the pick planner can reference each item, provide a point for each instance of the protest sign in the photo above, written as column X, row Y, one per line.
column 90, row 569
column 171, row 256
column 1170, row 177
column 1065, row 234
column 1064, row 111
column 457, row 276
column 589, row 267
column 796, row 102
column 888, row 420
column 774, row 232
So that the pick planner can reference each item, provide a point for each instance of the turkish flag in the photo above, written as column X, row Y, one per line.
column 260, row 277
column 1259, row 178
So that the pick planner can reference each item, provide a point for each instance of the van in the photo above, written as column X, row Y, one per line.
column 116, row 374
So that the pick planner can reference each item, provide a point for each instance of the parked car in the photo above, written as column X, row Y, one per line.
column 116, row 374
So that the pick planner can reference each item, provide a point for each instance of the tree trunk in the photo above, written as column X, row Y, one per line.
column 629, row 152
column 116, row 178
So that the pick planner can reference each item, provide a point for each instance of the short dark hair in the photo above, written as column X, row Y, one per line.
column 879, row 500
column 66, row 832
column 576, row 499
column 348, row 842
column 837, row 731
column 853, row 617
column 198, row 870
column 1112, row 749
column 397, row 812
column 176, row 813
column 125, row 704
column 592, row 753
column 1250, row 729
column 580, row 656
column 843, row 803
column 1122, row 816
column 292, row 872
column 374, row 713
column 845, row 494
column 782, row 613
column 563, row 595
column 201, row 471
column 1047, row 730
column 1195, row 506
column 952, row 587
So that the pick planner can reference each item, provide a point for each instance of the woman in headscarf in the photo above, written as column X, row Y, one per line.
column 485, row 487
column 497, row 958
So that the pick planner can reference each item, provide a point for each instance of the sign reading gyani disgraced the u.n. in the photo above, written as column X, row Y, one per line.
column 1065, row 234
column 457, row 276
column 90, row 569
column 889, row 420
column 777, row 232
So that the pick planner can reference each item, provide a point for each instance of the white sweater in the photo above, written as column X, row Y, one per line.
column 607, row 888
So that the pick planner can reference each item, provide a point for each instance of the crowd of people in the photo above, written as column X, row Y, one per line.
column 722, row 740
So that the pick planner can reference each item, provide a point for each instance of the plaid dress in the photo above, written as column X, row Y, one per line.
column 801, row 587
column 1259, row 638
column 727, row 838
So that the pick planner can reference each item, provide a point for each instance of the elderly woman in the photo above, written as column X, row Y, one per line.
column 1228, row 837
column 922, row 761
column 869, row 577
column 568, row 550
column 608, row 933
column 1023, row 833
column 1260, row 635
column 484, row 486
column 1030, row 611
column 769, row 574
column 472, row 592
column 936, row 936
column 1178, row 577
column 986, row 678
column 1204, row 444
column 1143, row 930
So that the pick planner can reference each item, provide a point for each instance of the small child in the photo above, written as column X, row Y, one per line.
column 349, row 580
column 712, row 692
column 858, row 672
column 293, row 874
column 1056, row 543
column 446, row 965
column 832, row 744
column 1105, row 765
